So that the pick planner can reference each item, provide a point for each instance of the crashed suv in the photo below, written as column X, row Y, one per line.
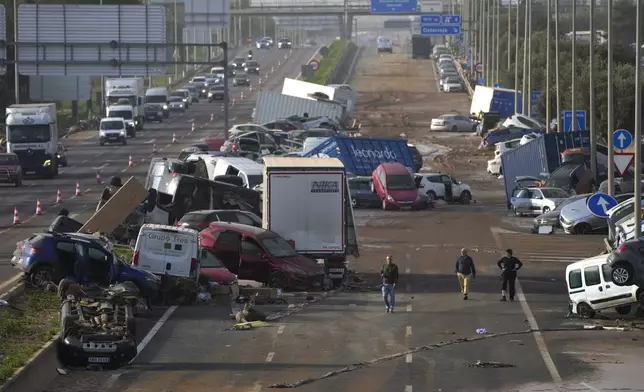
column 97, row 325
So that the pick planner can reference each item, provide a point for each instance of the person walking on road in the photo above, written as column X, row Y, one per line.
column 389, row 274
column 464, row 271
column 509, row 266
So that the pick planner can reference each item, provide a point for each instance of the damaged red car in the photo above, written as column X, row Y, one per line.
column 256, row 254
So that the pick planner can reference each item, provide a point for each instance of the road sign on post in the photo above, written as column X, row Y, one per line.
column 440, row 25
column 394, row 6
column 431, row 6
column 314, row 64
column 622, row 139
column 599, row 204
column 623, row 160
column 567, row 120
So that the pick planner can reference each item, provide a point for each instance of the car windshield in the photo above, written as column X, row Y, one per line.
column 569, row 200
column 278, row 247
column 8, row 160
column 198, row 80
column 255, row 180
column 176, row 99
column 208, row 260
column 156, row 99
column 400, row 182
column 29, row 133
column 111, row 125
column 554, row 194
column 236, row 60
column 125, row 114
column 241, row 76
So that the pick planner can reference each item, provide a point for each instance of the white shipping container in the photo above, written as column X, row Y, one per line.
column 304, row 201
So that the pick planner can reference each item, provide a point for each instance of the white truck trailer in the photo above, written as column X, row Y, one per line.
column 32, row 134
column 126, row 92
column 306, row 201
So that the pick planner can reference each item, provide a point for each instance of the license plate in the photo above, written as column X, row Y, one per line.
column 98, row 359
column 336, row 269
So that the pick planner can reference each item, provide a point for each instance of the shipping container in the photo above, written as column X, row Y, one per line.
column 272, row 106
column 528, row 160
column 421, row 47
column 489, row 99
column 361, row 155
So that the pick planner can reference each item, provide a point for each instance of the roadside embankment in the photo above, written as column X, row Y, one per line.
column 329, row 62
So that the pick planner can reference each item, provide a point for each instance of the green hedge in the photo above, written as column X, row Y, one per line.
column 328, row 63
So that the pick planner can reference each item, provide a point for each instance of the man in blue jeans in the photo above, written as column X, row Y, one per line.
column 389, row 273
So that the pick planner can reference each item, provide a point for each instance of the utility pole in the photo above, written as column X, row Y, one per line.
column 609, row 117
column 557, row 84
column 498, row 42
column 493, row 43
column 528, row 93
column 548, row 104
column 573, row 125
column 637, row 135
column 510, row 34
column 516, row 60
column 488, row 37
column 525, row 61
column 591, row 101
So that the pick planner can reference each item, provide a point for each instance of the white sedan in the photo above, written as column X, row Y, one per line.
column 453, row 122
column 244, row 128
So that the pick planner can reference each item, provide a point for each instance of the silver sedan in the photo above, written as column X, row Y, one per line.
column 453, row 123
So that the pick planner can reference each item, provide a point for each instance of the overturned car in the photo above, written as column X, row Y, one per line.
column 97, row 325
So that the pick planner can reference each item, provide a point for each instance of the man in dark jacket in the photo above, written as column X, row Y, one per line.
column 389, row 273
column 464, row 271
column 509, row 266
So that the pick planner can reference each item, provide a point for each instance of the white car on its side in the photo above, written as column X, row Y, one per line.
column 525, row 139
column 494, row 166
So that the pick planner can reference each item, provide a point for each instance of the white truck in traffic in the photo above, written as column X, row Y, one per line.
column 306, row 201
column 125, row 97
column 32, row 134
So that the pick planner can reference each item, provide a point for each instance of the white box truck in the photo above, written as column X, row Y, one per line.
column 306, row 201
column 123, row 92
column 32, row 134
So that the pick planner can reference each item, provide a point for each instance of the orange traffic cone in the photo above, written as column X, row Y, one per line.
column 38, row 208
column 98, row 177
column 130, row 162
column 59, row 197
column 174, row 138
column 16, row 219
column 78, row 191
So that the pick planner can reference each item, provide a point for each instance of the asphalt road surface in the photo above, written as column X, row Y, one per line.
column 86, row 157
column 421, row 346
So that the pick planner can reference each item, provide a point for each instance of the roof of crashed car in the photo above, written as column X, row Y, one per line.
column 251, row 230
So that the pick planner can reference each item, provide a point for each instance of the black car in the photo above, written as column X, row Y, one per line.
column 361, row 194
column 237, row 63
column 284, row 43
column 216, row 93
column 251, row 66
column 199, row 220
column 627, row 267
column 241, row 80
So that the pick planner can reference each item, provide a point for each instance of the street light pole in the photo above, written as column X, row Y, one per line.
column 591, row 101
column 516, row 60
column 573, row 109
column 509, row 34
column 525, row 60
column 637, row 135
column 609, row 118
column 557, row 84
column 498, row 42
column 548, row 104
column 527, row 97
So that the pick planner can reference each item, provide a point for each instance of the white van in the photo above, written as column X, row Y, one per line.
column 250, row 171
column 591, row 289
column 385, row 44
column 167, row 250
column 503, row 147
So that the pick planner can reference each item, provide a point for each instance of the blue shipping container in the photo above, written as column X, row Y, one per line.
column 557, row 143
column 362, row 155
column 503, row 102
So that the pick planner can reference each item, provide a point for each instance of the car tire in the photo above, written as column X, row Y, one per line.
column 516, row 212
column 432, row 195
column 466, row 197
column 18, row 182
column 584, row 310
column 624, row 310
column 354, row 203
column 583, row 229
column 622, row 274
column 124, row 142
column 278, row 280
column 545, row 209
column 44, row 274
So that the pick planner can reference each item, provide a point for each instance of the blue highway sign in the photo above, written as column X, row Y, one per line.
column 440, row 24
column 497, row 85
column 440, row 30
column 394, row 6
column 535, row 96
column 599, row 204
column 567, row 120
column 622, row 139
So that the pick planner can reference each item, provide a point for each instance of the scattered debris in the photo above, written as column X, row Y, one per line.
column 490, row 365
column 62, row 371
column 482, row 331
column 518, row 342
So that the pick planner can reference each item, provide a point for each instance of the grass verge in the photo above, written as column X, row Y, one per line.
column 25, row 327
column 328, row 63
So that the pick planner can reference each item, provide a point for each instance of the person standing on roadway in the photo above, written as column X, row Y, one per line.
column 509, row 266
column 464, row 271
column 389, row 274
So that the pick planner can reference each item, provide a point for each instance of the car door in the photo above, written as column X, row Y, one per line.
column 254, row 263
column 227, row 216
column 537, row 200
column 227, row 249
column 463, row 123
column 594, row 289
column 521, row 202
column 457, row 188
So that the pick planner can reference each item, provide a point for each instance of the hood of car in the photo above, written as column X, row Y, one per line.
column 309, row 266
column 403, row 195
column 218, row 274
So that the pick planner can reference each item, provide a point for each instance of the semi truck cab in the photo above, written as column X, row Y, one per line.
column 32, row 134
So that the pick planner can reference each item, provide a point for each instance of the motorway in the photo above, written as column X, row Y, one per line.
column 373, row 351
column 86, row 156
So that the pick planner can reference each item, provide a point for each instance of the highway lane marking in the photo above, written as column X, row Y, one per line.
column 269, row 357
column 150, row 141
column 589, row 353
column 409, row 388
column 408, row 358
column 408, row 308
column 589, row 387
column 280, row 330
column 103, row 166
column 111, row 381
column 538, row 337
column 408, row 331
column 10, row 283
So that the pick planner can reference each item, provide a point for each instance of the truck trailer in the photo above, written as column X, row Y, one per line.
column 123, row 92
column 306, row 201
column 421, row 47
column 32, row 134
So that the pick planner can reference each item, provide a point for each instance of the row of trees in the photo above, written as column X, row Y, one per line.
column 623, row 62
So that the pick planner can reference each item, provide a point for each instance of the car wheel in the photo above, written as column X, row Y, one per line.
column 622, row 274
column 354, row 203
column 431, row 195
column 278, row 280
column 583, row 228
column 584, row 310
column 42, row 275
column 384, row 205
column 516, row 212
column 623, row 310
column 545, row 209
column 466, row 197
column 454, row 128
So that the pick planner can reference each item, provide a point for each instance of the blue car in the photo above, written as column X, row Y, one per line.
column 49, row 257
column 504, row 134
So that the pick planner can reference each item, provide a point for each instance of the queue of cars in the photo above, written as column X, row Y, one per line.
column 449, row 78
